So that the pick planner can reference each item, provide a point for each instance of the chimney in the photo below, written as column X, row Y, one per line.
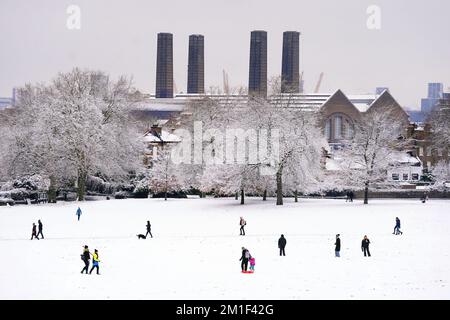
column 257, row 83
column 164, row 66
column 290, row 77
column 196, row 68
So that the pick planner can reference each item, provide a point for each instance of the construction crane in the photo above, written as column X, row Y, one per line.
column 301, row 83
column 316, row 90
column 226, row 87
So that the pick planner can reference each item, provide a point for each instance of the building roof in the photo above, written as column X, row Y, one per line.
column 312, row 101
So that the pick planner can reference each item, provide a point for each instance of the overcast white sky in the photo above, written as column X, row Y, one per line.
column 119, row 37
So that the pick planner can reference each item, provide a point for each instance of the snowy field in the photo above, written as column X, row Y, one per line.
column 196, row 249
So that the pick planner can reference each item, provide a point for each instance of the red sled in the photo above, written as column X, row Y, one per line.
column 247, row 271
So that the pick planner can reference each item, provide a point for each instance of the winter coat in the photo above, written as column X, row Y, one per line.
column 245, row 255
column 85, row 256
column 252, row 261
column 242, row 222
column 282, row 242
column 148, row 227
column 397, row 223
column 338, row 245
column 40, row 226
column 78, row 212
column 95, row 257
column 34, row 229
column 365, row 243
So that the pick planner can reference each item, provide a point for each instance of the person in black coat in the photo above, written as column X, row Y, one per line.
column 40, row 230
column 149, row 229
column 282, row 244
column 33, row 232
column 365, row 246
column 351, row 194
column 397, row 227
column 244, row 258
column 85, row 256
column 242, row 223
column 337, row 249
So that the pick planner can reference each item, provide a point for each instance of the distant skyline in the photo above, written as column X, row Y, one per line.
column 120, row 37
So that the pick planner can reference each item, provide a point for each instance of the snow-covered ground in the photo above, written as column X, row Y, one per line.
column 196, row 249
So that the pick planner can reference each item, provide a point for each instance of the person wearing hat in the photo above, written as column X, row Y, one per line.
column 85, row 256
column 337, row 249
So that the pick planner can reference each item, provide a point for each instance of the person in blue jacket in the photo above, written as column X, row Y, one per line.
column 78, row 213
column 397, row 227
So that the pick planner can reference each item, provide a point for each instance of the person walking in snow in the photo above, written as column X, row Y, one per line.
column 397, row 227
column 246, row 256
column 351, row 195
column 242, row 223
column 282, row 244
column 40, row 230
column 337, row 248
column 252, row 264
column 365, row 246
column 95, row 261
column 347, row 194
column 149, row 229
column 85, row 256
column 33, row 232
column 78, row 213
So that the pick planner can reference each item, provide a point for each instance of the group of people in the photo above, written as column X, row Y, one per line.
column 350, row 195
column 364, row 246
column 36, row 233
column 86, row 257
column 245, row 259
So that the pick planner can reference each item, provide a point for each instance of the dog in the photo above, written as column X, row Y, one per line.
column 141, row 236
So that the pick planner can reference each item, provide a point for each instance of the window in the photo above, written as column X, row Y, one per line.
column 328, row 129
column 405, row 176
column 415, row 176
column 348, row 129
column 338, row 127
column 395, row 176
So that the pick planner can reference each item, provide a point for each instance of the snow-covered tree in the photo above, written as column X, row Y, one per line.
column 365, row 159
column 441, row 175
column 78, row 125
column 439, row 120
column 165, row 175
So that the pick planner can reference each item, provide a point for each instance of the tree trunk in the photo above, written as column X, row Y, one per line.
column 202, row 195
column 165, row 195
column 265, row 195
column 81, row 190
column 52, row 191
column 366, row 193
column 236, row 196
column 242, row 196
column 296, row 196
column 279, row 187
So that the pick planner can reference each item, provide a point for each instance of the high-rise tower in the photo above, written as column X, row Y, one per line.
column 290, row 77
column 196, row 64
column 257, row 83
column 164, row 66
